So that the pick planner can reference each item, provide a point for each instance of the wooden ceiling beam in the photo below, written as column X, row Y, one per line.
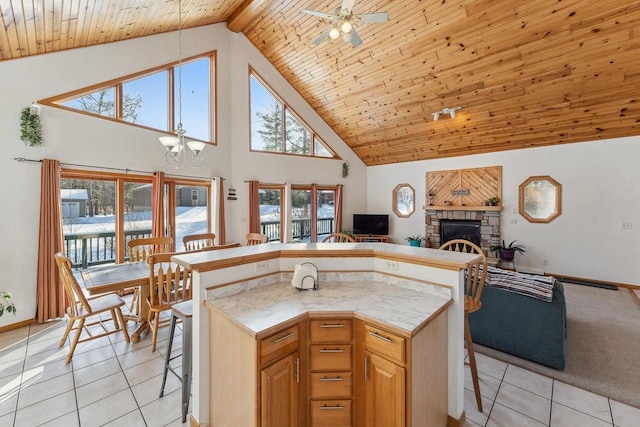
column 241, row 17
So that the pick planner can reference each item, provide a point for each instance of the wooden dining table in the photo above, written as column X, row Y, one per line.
column 117, row 277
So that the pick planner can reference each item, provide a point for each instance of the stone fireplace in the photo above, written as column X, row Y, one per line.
column 488, row 221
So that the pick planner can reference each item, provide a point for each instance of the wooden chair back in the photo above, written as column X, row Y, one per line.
column 196, row 242
column 477, row 274
column 75, row 297
column 169, row 283
column 140, row 249
column 256, row 239
column 80, row 309
column 338, row 238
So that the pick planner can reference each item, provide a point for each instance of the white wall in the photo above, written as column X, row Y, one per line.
column 600, row 190
column 75, row 138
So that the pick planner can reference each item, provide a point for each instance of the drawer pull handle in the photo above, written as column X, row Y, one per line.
column 332, row 325
column 383, row 338
column 329, row 408
column 332, row 379
column 277, row 340
column 328, row 350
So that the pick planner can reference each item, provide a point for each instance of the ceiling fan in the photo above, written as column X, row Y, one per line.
column 343, row 21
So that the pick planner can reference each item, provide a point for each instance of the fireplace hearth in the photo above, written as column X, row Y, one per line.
column 486, row 223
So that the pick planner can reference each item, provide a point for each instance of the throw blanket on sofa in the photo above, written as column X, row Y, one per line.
column 540, row 287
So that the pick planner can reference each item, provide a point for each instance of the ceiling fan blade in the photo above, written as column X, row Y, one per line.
column 347, row 6
column 372, row 18
column 355, row 38
column 320, row 14
column 322, row 37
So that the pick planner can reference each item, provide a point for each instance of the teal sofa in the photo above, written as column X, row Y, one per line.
column 523, row 326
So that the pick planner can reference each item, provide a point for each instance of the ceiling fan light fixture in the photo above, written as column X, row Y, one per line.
column 347, row 37
column 334, row 33
column 346, row 27
column 436, row 116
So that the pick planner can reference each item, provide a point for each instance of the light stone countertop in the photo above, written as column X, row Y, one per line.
column 263, row 307
column 211, row 260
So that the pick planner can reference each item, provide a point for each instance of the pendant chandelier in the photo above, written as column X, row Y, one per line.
column 175, row 145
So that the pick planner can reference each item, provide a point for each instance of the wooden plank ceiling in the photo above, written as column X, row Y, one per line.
column 526, row 73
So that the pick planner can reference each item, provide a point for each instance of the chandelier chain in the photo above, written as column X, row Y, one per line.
column 180, row 64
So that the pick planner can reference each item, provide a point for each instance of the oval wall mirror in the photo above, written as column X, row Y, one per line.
column 540, row 199
column 404, row 200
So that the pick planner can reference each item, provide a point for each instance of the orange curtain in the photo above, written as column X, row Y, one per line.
column 254, row 207
column 157, row 205
column 221, row 233
column 338, row 208
column 314, row 215
column 50, row 293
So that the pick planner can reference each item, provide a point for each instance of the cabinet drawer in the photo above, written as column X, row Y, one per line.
column 330, row 385
column 384, row 342
column 331, row 330
column 331, row 413
column 279, row 344
column 331, row 357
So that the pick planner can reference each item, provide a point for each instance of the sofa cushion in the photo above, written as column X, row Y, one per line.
column 523, row 326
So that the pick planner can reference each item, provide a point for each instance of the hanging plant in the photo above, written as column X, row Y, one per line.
column 30, row 128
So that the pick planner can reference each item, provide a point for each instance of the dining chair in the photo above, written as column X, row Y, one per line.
column 476, row 277
column 338, row 238
column 256, row 239
column 170, row 284
column 82, row 308
column 196, row 242
column 139, row 250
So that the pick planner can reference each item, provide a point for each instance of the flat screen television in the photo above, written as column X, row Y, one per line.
column 371, row 224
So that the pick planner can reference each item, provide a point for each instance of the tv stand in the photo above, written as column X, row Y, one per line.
column 371, row 238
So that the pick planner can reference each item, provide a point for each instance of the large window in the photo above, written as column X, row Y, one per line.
column 276, row 128
column 151, row 98
column 312, row 215
column 101, row 212
column 312, row 212
column 271, row 208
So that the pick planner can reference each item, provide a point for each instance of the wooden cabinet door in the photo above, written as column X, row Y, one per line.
column 384, row 392
column 279, row 393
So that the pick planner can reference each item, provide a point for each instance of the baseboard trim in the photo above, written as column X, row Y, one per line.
column 453, row 422
column 592, row 282
column 13, row 326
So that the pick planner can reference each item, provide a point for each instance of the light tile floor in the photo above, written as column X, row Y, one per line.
column 514, row 397
column 112, row 383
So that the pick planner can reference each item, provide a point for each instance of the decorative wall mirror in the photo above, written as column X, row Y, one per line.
column 404, row 197
column 540, row 199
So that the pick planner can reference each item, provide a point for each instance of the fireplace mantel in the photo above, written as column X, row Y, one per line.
column 462, row 208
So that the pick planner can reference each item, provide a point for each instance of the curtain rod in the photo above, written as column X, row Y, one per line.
column 22, row 159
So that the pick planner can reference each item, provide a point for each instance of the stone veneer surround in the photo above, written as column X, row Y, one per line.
column 489, row 225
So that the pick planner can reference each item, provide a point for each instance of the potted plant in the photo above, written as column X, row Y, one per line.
column 507, row 252
column 414, row 240
column 493, row 201
column 10, row 308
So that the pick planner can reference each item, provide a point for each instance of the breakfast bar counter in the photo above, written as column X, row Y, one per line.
column 391, row 302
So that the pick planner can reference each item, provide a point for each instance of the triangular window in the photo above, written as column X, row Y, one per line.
column 153, row 98
column 276, row 128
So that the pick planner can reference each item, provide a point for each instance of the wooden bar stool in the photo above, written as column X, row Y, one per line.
column 182, row 311
column 476, row 276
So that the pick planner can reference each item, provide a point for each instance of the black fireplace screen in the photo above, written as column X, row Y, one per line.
column 451, row 229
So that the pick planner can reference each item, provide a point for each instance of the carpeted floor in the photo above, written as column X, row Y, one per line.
column 603, row 344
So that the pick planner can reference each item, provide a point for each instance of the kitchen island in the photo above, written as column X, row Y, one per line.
column 391, row 302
